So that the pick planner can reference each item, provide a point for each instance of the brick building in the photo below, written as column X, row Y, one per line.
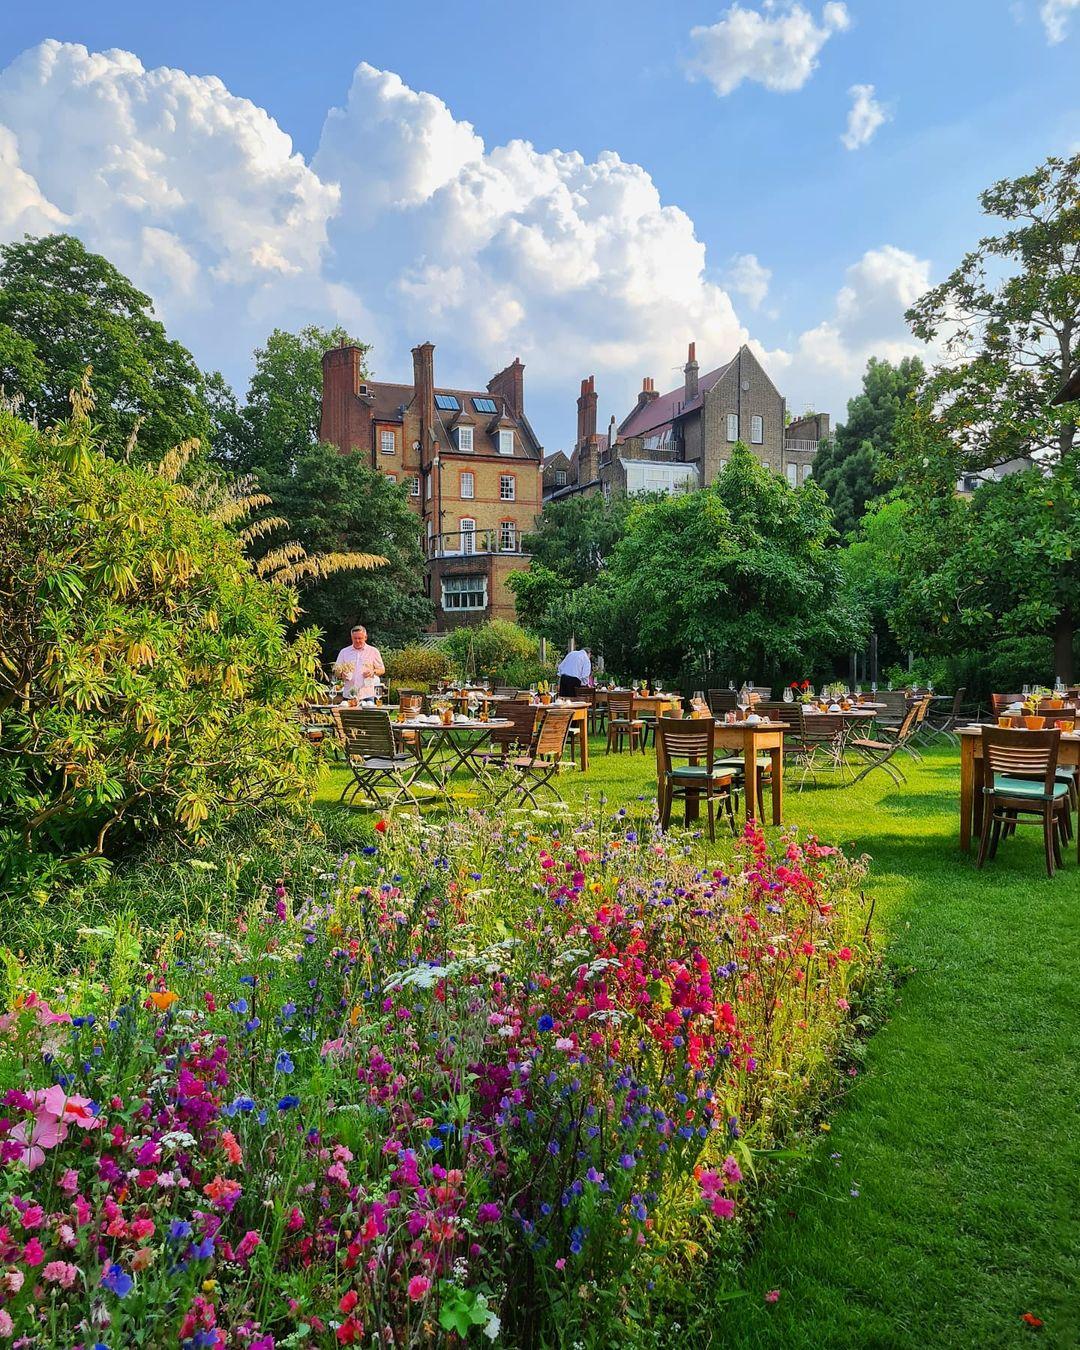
column 682, row 439
column 471, row 462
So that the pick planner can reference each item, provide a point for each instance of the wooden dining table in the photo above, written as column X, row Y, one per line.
column 652, row 705
column 972, row 777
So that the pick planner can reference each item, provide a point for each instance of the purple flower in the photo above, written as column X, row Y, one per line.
column 627, row 1161
column 546, row 1022
column 116, row 1279
column 488, row 1213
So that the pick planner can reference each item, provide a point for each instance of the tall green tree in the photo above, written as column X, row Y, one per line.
column 335, row 503
column 63, row 309
column 1009, row 319
column 735, row 580
column 849, row 466
column 279, row 421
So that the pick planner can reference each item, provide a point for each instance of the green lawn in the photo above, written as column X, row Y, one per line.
column 944, row 1203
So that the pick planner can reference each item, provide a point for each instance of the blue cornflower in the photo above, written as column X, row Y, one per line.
column 116, row 1279
column 553, row 1147
column 287, row 1103
column 179, row 1229
column 434, row 1143
column 248, row 979
column 238, row 1005
column 283, row 1063
column 369, row 849
column 627, row 1161
column 546, row 1022
column 204, row 1250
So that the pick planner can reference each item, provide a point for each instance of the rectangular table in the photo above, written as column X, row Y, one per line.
column 972, row 778
column 653, row 705
column 447, row 737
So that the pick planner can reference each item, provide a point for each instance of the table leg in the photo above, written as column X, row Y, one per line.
column 583, row 727
column 777, row 784
column 967, row 789
column 750, row 777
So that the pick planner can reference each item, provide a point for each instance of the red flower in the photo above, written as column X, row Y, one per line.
column 380, row 825
column 1031, row 1319
column 349, row 1301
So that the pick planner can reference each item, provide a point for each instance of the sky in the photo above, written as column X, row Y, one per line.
column 588, row 186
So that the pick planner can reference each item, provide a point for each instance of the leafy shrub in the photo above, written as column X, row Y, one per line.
column 417, row 667
column 146, row 684
column 490, row 649
column 473, row 1074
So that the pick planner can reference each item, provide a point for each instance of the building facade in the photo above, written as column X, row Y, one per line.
column 683, row 439
column 470, row 462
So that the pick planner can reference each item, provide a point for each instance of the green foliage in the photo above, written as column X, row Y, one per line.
column 416, row 666
column 872, row 564
column 491, row 650
column 63, row 309
column 574, row 537
column 279, row 422
column 146, row 684
column 849, row 467
column 333, row 503
column 739, row 580
column 1009, row 317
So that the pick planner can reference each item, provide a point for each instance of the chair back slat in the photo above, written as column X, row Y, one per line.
column 1022, row 754
column 791, row 714
column 1002, row 702
column 505, row 691
column 723, row 700
column 621, row 704
column 411, row 704
column 763, row 692
column 367, row 732
column 821, row 728
column 551, row 734
column 685, row 738
column 522, row 717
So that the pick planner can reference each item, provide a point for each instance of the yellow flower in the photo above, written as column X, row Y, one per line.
column 825, row 1126
column 163, row 999
column 209, row 1286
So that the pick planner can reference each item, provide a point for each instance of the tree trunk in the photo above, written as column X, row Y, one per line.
column 1063, row 647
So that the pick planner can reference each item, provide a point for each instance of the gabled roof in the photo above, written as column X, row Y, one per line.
column 660, row 411
column 388, row 401
column 1069, row 391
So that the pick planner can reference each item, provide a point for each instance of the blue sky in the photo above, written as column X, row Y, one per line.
column 583, row 268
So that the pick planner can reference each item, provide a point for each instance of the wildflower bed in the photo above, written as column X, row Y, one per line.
column 481, row 1079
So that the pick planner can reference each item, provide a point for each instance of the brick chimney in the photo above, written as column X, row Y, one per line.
column 648, row 392
column 690, row 371
column 345, row 419
column 509, row 384
column 423, row 364
column 586, row 410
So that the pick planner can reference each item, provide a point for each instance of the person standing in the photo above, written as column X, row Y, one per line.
column 574, row 671
column 366, row 662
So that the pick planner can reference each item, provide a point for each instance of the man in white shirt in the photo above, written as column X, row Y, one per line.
column 574, row 670
column 366, row 662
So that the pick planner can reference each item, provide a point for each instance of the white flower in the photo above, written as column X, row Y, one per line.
column 492, row 1327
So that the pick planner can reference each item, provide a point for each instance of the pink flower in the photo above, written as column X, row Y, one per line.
column 723, row 1207
column 33, row 1253
column 32, row 1216
column 7, row 1326
column 773, row 1296
column 247, row 1245
column 36, row 1135
column 62, row 1273
column 418, row 1287
column 12, row 1281
column 488, row 1213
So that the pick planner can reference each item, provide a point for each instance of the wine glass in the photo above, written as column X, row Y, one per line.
column 789, row 694
column 873, row 687
column 1026, row 691
column 731, row 686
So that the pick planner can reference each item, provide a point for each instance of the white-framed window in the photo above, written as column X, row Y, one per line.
column 464, row 592
column 733, row 426
column 468, row 486
column 392, row 477
column 507, row 487
column 507, row 536
column 414, row 486
column 506, row 442
column 468, row 534
column 560, row 477
column 807, row 472
column 757, row 431
column 387, row 442
column 605, row 488
column 464, row 438
column 793, row 474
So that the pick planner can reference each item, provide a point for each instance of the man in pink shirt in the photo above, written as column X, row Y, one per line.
column 366, row 662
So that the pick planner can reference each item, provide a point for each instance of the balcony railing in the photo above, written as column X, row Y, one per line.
column 472, row 543
column 795, row 444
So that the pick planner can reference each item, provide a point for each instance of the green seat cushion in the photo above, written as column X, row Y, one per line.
column 699, row 771
column 1026, row 787
column 737, row 761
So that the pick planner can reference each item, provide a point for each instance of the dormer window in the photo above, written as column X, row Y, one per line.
column 485, row 405
column 464, row 438
column 560, row 477
column 506, row 442
column 447, row 403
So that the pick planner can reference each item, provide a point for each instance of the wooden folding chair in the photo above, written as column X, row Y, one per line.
column 722, row 701
column 373, row 759
column 878, row 752
column 694, row 740
column 535, row 770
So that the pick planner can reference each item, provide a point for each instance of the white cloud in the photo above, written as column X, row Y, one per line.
column 777, row 47
column 865, row 115
column 1055, row 17
column 747, row 277
column 405, row 226
column 868, row 320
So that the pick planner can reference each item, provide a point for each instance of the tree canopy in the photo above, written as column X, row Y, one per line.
column 64, row 309
column 849, row 467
